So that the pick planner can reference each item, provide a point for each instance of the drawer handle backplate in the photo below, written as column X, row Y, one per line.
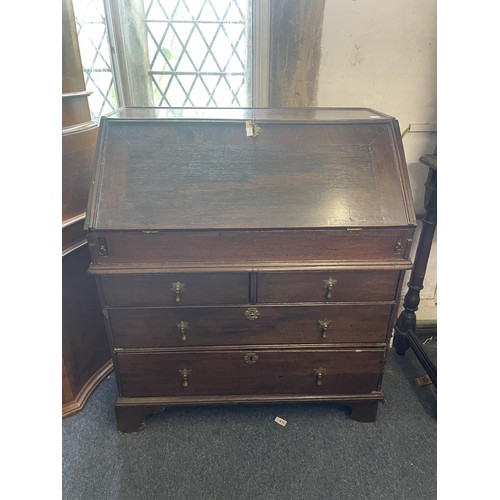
column 329, row 284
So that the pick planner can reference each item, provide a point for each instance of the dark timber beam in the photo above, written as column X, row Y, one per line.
column 296, row 28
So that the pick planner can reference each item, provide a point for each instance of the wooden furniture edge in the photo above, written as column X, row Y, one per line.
column 100, row 269
column 131, row 413
column 70, row 409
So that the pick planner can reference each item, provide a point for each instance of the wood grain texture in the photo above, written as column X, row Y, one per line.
column 156, row 290
column 360, row 324
column 75, row 109
column 177, row 248
column 131, row 413
column 220, row 179
column 72, row 74
column 250, row 229
column 348, row 371
column 295, row 48
column 309, row 286
column 67, row 391
column 85, row 349
column 77, row 157
column 78, row 401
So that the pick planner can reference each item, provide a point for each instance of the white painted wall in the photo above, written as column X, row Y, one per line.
column 382, row 55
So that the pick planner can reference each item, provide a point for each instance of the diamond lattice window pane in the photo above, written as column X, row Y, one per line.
column 220, row 7
column 200, row 58
column 95, row 56
column 235, row 13
column 207, row 14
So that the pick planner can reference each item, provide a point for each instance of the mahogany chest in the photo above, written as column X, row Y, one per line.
column 249, row 255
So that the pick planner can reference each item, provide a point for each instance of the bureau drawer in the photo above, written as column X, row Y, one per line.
column 327, row 286
column 326, row 371
column 179, row 289
column 208, row 326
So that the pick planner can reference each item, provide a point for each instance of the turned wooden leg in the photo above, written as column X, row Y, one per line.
column 406, row 323
column 364, row 412
column 132, row 418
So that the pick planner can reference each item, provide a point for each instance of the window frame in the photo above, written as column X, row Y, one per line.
column 134, row 90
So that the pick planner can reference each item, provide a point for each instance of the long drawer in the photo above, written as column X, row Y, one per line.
column 210, row 326
column 326, row 286
column 273, row 371
column 179, row 289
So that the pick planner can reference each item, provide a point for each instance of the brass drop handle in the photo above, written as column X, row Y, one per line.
column 319, row 373
column 324, row 324
column 178, row 288
column 182, row 328
column 329, row 284
column 185, row 375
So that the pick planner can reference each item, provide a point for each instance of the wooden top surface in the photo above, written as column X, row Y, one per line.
column 261, row 114
column 307, row 168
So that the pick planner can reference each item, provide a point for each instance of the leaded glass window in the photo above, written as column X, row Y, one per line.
column 95, row 56
column 198, row 52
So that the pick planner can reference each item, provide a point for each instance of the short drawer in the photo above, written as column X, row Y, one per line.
column 208, row 326
column 274, row 371
column 175, row 289
column 327, row 286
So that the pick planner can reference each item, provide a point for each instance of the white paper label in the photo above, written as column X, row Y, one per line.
column 280, row 421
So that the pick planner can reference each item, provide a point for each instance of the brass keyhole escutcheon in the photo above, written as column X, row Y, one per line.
column 319, row 373
column 329, row 284
column 324, row 325
column 251, row 358
column 178, row 288
column 398, row 247
column 182, row 328
column 185, row 375
column 252, row 313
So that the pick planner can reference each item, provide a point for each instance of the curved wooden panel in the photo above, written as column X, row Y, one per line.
column 86, row 358
column 75, row 108
column 77, row 155
column 84, row 342
column 76, row 404
column 72, row 74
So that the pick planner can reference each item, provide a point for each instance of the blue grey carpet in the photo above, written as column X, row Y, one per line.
column 239, row 452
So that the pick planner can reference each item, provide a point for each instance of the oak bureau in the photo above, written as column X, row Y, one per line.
column 249, row 255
